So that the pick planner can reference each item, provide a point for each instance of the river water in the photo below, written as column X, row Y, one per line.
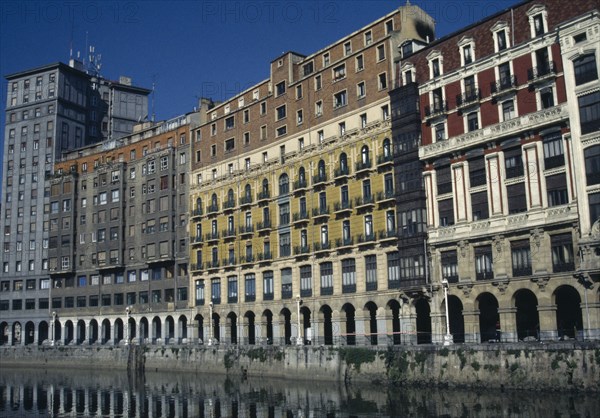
column 78, row 393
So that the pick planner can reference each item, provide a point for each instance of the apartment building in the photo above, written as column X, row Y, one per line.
column 49, row 110
column 293, row 200
column 509, row 124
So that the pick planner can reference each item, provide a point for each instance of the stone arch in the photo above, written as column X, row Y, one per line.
column 200, row 327
column 42, row 332
column 182, row 327
column 457, row 322
column 250, row 322
column 343, row 163
column 57, row 331
column 69, row 332
column 93, row 332
column 364, row 155
column 349, row 325
column 285, row 321
column 216, row 325
column 569, row 320
column 326, row 318
column 105, row 334
column 232, row 324
column 29, row 333
column 267, row 320
column 284, row 184
column 423, row 321
column 4, row 327
column 170, row 329
column 527, row 317
column 80, row 333
column 393, row 307
column 387, row 148
column 119, row 333
column 305, row 322
column 156, row 329
column 488, row 316
column 144, row 330
column 370, row 310
column 17, row 331
column 131, row 329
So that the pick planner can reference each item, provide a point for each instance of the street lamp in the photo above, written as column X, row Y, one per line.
column 299, row 340
column 127, row 311
column 53, row 325
column 210, row 327
column 448, row 339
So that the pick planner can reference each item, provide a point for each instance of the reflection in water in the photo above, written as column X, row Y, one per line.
column 56, row 393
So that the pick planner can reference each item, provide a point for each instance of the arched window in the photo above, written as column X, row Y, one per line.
column 321, row 170
column 302, row 175
column 247, row 191
column 387, row 148
column 230, row 195
column 284, row 184
column 343, row 163
column 364, row 154
column 265, row 187
column 199, row 203
column 213, row 200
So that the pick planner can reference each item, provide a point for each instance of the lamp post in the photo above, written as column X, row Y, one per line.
column 127, row 311
column 210, row 319
column 299, row 340
column 448, row 339
column 53, row 325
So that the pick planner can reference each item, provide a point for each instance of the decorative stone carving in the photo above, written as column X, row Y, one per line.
column 541, row 282
column 466, row 288
column 462, row 247
column 536, row 237
column 502, row 285
column 498, row 243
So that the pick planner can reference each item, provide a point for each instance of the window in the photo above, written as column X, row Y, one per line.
column 592, row 165
column 299, row 117
column 308, row 68
column 326, row 59
column 554, row 155
column 381, row 52
column 284, row 244
column 305, row 281
column 360, row 63
column 339, row 72
column 229, row 123
column 467, row 54
column 479, row 205
column 513, row 162
column 232, row 289
column 299, row 91
column 517, row 200
column 556, row 186
column 284, row 213
column 562, row 253
column 546, row 97
column 589, row 112
column 326, row 270
column 538, row 25
column 585, row 68
column 483, row 263
column 284, row 185
column 382, row 81
column 348, row 275
column 393, row 269
column 215, row 290
column 281, row 112
column 263, row 108
column 347, row 48
column 434, row 66
column 268, row 288
column 521, row 258
column 318, row 82
column 280, row 88
column 501, row 40
column 440, row 131
column 446, row 212
column 319, row 108
column 286, row 283
column 472, row 120
column 361, row 90
column 508, row 110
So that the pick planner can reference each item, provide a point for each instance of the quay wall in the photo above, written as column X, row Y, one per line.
column 557, row 366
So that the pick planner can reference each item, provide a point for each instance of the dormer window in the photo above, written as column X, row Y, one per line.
column 538, row 20
column 436, row 65
column 408, row 74
column 501, row 35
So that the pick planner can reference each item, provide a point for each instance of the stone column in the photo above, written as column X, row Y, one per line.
column 113, row 335
column 192, row 331
column 36, row 334
column 336, row 328
column 532, row 168
column 591, row 331
column 508, row 324
column 496, row 193
column 462, row 199
column 548, row 325
column 408, row 328
column 277, row 334
column 382, row 331
column 359, row 326
column 438, row 327
column 164, row 328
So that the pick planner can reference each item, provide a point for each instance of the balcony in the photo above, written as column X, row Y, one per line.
column 503, row 86
column 371, row 286
column 385, row 160
column 211, row 237
column 264, row 195
column 320, row 213
column 363, row 166
column 300, row 185
column 439, row 108
column 364, row 202
column 197, row 212
column 484, row 275
column 301, row 250
column 228, row 233
column 541, row 73
column 326, row 291
column 319, row 180
column 212, row 265
column 305, row 293
column 212, row 209
column 232, row 299
column 300, row 217
column 341, row 243
column 367, row 239
column 197, row 240
column 322, row 246
column 341, row 173
column 196, row 267
column 386, row 236
column 387, row 196
column 345, row 206
column 268, row 296
column 246, row 230
column 245, row 201
column 247, row 259
column 555, row 161
column 349, row 288
column 522, row 271
column 563, row 267
column 262, row 257
column 229, row 262
column 468, row 98
column 264, row 226
column 228, row 205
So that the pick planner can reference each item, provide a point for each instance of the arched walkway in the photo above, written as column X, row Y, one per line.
column 69, row 332
column 156, row 329
column 182, row 327
column 568, row 312
column 42, row 332
column 93, row 332
column 144, row 330
column 57, row 331
column 249, row 322
column 306, row 332
column 232, row 327
column 488, row 316
column 170, row 324
column 267, row 320
column 131, row 331
column 285, row 321
column 326, row 314
column 119, row 331
column 423, row 321
column 16, row 333
column 105, row 332
column 200, row 326
column 350, row 324
column 3, row 333
column 457, row 322
column 528, row 321
column 29, row 333
column 216, row 325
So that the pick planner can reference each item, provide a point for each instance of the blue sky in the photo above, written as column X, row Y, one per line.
column 190, row 49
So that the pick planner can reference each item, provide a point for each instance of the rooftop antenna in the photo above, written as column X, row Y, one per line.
column 154, row 77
